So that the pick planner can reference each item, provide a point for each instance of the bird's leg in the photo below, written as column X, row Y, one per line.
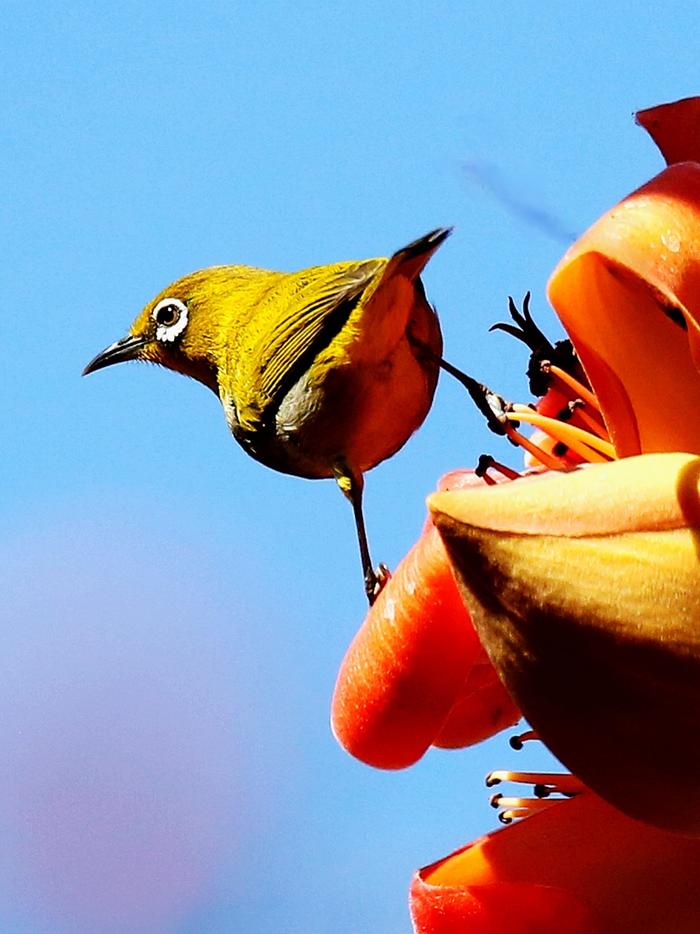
column 489, row 403
column 351, row 486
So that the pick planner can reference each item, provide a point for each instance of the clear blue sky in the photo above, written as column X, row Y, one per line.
column 175, row 614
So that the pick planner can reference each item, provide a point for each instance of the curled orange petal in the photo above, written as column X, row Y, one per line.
column 409, row 665
column 675, row 128
column 628, row 293
column 406, row 665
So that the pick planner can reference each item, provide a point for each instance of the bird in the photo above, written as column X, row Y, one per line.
column 322, row 373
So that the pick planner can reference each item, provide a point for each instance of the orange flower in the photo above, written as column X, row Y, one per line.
column 583, row 586
column 579, row 867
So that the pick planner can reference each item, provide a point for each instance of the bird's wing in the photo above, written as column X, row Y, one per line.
column 311, row 308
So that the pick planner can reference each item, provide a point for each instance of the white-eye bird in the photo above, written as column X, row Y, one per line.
column 323, row 372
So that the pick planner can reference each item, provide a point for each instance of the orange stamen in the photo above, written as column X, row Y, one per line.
column 589, row 446
column 578, row 409
column 572, row 383
column 544, row 457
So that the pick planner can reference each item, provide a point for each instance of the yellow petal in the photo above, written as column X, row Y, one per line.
column 649, row 492
column 594, row 624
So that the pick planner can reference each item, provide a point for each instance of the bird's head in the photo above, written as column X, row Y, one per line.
column 184, row 327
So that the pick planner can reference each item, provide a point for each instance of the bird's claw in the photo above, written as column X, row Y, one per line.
column 376, row 581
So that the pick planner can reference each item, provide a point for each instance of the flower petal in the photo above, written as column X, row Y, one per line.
column 580, row 866
column 589, row 609
column 496, row 909
column 675, row 128
column 408, row 681
column 482, row 708
column 628, row 293
column 406, row 665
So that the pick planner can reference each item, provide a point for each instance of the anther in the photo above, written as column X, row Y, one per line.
column 519, row 808
column 579, row 390
column 483, row 464
column 517, row 742
column 487, row 462
column 548, row 788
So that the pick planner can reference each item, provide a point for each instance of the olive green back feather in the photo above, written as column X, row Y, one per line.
column 317, row 303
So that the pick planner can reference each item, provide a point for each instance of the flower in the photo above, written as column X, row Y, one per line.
column 579, row 867
column 583, row 586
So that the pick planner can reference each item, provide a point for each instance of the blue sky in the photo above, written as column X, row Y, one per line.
column 175, row 614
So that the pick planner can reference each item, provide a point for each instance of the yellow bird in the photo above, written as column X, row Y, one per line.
column 322, row 373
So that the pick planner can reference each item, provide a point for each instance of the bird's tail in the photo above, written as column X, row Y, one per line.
column 412, row 259
column 393, row 298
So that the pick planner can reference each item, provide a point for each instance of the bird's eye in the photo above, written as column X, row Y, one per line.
column 170, row 316
column 167, row 314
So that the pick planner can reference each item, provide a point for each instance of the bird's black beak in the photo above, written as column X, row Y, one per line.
column 125, row 349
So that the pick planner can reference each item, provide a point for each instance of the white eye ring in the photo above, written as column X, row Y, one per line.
column 169, row 326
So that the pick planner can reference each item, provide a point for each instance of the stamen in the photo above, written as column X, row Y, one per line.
column 589, row 446
column 517, row 742
column 544, row 784
column 548, row 789
column 525, row 807
column 532, row 804
column 544, row 457
column 578, row 388
column 534, row 778
column 577, row 407
column 487, row 462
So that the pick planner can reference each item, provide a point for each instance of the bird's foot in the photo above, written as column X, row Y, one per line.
column 376, row 581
